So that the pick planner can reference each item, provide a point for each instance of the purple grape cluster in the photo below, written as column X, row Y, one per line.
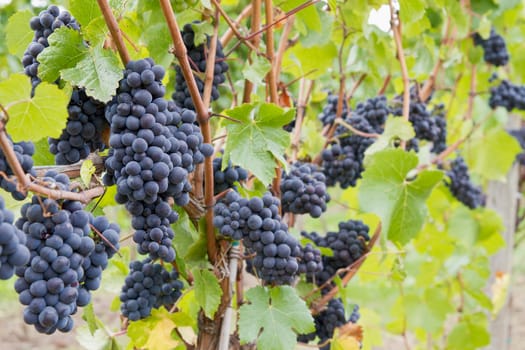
column 24, row 152
column 343, row 160
column 226, row 178
column 13, row 252
column 494, row 48
column 303, row 190
column 348, row 245
column 198, row 55
column 257, row 222
column 375, row 111
column 83, row 131
column 507, row 95
column 328, row 114
column 519, row 134
column 148, row 286
column 462, row 187
column 66, row 262
column 44, row 25
column 154, row 146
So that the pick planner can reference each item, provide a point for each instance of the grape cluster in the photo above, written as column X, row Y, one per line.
column 13, row 252
column 154, row 145
column 23, row 152
column 343, row 160
column 66, row 263
column 310, row 261
column 148, row 286
column 257, row 222
column 440, row 119
column 197, row 56
column 507, row 95
column 348, row 245
column 83, row 131
column 494, row 48
column 327, row 115
column 44, row 25
column 461, row 186
column 303, row 190
column 519, row 134
column 375, row 111
column 355, row 315
column 225, row 179
column 425, row 126
column 326, row 322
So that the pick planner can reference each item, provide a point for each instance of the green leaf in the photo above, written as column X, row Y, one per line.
column 87, row 169
column 90, row 318
column 398, row 201
column 257, row 139
column 207, row 291
column 154, row 332
column 257, row 69
column 469, row 334
column 201, row 30
column 485, row 157
column 99, row 340
column 42, row 155
column 47, row 109
column 299, row 61
column 18, row 32
column 273, row 317
column 395, row 129
column 84, row 11
column 66, row 48
column 411, row 11
column 99, row 73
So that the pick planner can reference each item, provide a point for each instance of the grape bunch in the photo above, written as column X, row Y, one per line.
column 424, row 124
column 326, row 322
column 23, row 152
column 310, row 261
column 494, row 48
column 197, row 56
column 148, row 286
column 303, row 190
column 83, row 131
column 226, row 178
column 154, row 146
column 348, row 245
column 13, row 252
column 65, row 264
column 257, row 222
column 44, row 25
column 327, row 115
column 342, row 161
column 375, row 111
column 507, row 95
column 461, row 186
column 519, row 134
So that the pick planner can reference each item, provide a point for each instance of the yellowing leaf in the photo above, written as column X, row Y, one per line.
column 499, row 289
column 154, row 332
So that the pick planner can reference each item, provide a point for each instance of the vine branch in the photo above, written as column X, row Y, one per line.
column 114, row 29
column 395, row 22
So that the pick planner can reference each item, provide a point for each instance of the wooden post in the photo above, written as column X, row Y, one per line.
column 503, row 198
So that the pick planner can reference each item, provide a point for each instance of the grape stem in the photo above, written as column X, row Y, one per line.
column 72, row 170
column 305, row 90
column 271, row 79
column 395, row 23
column 350, row 272
column 114, row 29
column 255, row 40
column 234, row 255
column 233, row 25
column 354, row 130
column 25, row 184
column 386, row 82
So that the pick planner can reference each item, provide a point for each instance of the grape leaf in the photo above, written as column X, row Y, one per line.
column 398, row 201
column 84, row 11
column 395, row 128
column 155, row 331
column 33, row 118
column 257, row 69
column 91, row 319
column 99, row 73
column 18, row 32
column 86, row 171
column 99, row 340
column 66, row 48
column 257, row 139
column 207, row 291
column 273, row 317
column 469, row 334
column 42, row 155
